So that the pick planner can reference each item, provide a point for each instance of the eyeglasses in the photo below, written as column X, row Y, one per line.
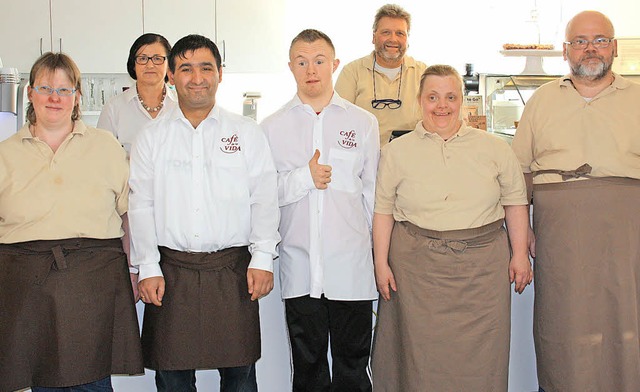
column 47, row 90
column 386, row 103
column 156, row 59
column 598, row 43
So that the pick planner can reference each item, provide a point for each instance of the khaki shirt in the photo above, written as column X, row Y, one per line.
column 79, row 191
column 355, row 84
column 560, row 130
column 442, row 185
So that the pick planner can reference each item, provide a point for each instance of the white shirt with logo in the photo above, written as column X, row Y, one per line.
column 326, row 234
column 202, row 190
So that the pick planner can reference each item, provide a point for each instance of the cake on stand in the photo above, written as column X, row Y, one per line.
column 534, row 59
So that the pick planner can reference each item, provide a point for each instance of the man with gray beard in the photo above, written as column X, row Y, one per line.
column 578, row 143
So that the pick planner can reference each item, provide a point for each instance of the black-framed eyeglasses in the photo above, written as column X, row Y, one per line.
column 156, row 59
column 47, row 90
column 385, row 103
column 598, row 43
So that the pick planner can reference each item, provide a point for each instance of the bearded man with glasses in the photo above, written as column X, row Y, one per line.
column 385, row 82
column 578, row 143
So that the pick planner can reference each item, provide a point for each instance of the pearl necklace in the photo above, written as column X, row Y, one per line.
column 157, row 108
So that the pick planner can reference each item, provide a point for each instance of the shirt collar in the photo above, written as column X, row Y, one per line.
column 176, row 114
column 409, row 62
column 132, row 93
column 423, row 133
column 79, row 128
column 336, row 100
column 619, row 83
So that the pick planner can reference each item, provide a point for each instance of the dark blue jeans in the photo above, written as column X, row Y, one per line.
column 103, row 385
column 233, row 379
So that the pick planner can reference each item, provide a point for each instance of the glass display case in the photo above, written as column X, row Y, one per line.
column 504, row 97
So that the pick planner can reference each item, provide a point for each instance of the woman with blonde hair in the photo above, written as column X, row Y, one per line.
column 442, row 259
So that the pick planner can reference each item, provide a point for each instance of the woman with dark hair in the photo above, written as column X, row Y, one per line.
column 127, row 113
column 67, row 316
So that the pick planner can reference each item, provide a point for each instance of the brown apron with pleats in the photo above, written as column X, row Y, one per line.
column 447, row 327
column 587, row 285
column 207, row 319
column 67, row 314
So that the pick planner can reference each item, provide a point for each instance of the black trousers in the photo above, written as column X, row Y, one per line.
column 312, row 323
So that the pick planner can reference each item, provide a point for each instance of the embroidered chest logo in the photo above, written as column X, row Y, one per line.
column 347, row 139
column 230, row 144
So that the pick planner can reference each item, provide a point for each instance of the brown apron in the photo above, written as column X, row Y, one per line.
column 447, row 327
column 207, row 319
column 587, row 285
column 67, row 314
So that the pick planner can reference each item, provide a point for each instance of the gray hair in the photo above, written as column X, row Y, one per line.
column 392, row 11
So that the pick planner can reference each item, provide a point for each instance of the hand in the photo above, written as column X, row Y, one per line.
column 260, row 283
column 520, row 272
column 384, row 280
column 152, row 290
column 531, row 242
column 321, row 174
column 134, row 286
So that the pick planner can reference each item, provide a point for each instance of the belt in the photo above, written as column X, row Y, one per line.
column 582, row 171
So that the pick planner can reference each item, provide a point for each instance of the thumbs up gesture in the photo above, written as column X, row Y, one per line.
column 321, row 174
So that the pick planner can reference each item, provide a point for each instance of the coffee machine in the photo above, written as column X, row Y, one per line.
column 12, row 102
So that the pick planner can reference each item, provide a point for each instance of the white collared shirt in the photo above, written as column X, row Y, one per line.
column 125, row 117
column 326, row 234
column 202, row 190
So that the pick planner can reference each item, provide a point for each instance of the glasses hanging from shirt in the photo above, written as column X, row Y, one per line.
column 384, row 103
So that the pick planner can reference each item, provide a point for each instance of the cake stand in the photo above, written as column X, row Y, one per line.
column 533, row 65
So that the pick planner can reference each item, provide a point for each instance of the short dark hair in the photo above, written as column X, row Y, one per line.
column 312, row 35
column 143, row 40
column 189, row 44
column 51, row 62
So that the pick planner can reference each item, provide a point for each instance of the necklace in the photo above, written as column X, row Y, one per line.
column 150, row 109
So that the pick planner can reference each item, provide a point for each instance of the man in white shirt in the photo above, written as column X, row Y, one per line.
column 326, row 152
column 204, row 217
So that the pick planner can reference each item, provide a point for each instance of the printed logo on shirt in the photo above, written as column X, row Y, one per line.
column 230, row 144
column 347, row 139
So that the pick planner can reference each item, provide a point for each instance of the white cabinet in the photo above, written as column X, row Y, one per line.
column 97, row 34
column 251, row 35
column 24, row 33
column 175, row 19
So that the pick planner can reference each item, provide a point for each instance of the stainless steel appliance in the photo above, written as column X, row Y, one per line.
column 12, row 102
column 504, row 97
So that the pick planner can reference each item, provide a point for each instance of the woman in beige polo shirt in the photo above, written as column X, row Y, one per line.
column 442, row 257
column 67, row 314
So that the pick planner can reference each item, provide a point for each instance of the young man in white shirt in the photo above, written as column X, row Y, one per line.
column 326, row 153
column 204, row 218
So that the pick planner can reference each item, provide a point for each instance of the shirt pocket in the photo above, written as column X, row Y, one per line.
column 344, row 176
column 231, row 179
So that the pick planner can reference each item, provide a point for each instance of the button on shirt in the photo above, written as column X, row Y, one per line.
column 202, row 190
column 326, row 234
